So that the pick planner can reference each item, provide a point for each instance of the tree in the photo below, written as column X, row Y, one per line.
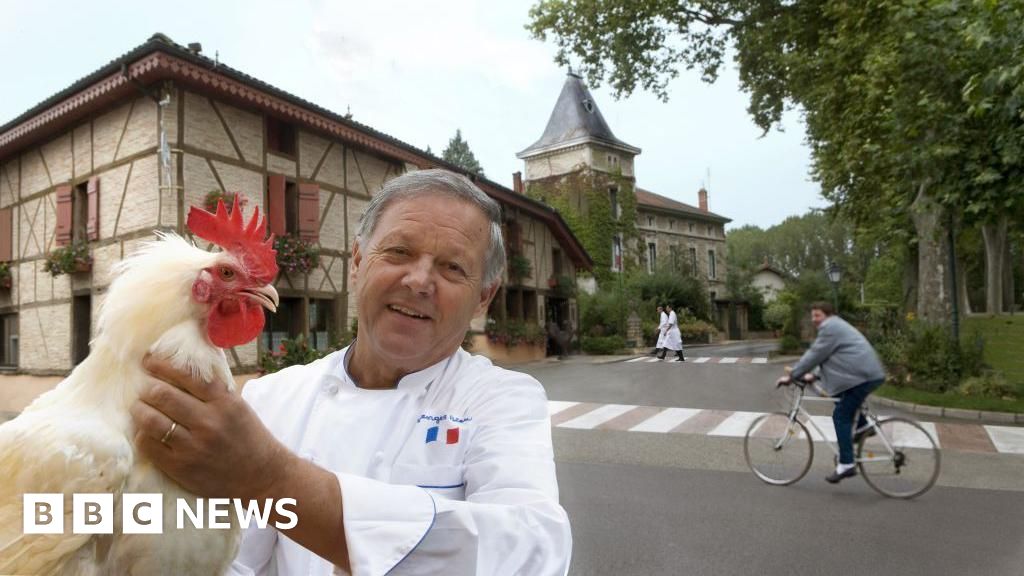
column 459, row 154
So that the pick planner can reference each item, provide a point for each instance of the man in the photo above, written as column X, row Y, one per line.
column 406, row 455
column 673, row 339
column 850, row 369
column 662, row 326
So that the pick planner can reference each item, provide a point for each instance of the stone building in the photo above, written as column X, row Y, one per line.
column 580, row 167
column 126, row 150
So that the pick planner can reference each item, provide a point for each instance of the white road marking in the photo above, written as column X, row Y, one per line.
column 665, row 420
column 597, row 417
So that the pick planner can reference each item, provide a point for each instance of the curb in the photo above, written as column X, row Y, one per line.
column 981, row 416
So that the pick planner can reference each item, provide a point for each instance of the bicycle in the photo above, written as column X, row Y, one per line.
column 896, row 456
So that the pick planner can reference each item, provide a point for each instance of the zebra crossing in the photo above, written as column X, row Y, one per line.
column 734, row 424
column 703, row 360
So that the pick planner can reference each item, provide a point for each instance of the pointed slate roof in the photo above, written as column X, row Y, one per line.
column 575, row 120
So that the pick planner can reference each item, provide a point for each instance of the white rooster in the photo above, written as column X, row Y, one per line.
column 176, row 301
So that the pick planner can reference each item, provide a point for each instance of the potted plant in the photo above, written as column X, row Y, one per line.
column 69, row 259
column 295, row 255
column 519, row 267
column 213, row 196
column 5, row 275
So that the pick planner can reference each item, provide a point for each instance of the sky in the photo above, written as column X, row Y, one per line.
column 420, row 70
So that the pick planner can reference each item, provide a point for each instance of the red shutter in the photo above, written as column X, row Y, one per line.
column 275, row 204
column 6, row 235
column 64, row 215
column 92, row 225
column 309, row 212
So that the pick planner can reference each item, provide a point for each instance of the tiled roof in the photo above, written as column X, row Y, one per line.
column 646, row 198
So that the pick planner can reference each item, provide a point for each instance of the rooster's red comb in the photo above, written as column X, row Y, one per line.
column 246, row 242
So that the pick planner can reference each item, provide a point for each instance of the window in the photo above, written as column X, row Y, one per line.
column 710, row 231
column 693, row 261
column 613, row 198
column 652, row 257
column 521, row 304
column 281, row 325
column 321, row 318
column 711, row 264
column 79, row 214
column 616, row 254
column 291, row 208
column 671, row 224
column 280, row 137
column 675, row 252
column 556, row 262
column 691, row 226
column 9, row 340
column 650, row 221
column 81, row 326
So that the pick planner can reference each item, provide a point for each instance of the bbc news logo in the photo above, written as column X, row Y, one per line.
column 144, row 513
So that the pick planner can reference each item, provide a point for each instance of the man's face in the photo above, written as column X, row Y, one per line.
column 418, row 279
column 817, row 316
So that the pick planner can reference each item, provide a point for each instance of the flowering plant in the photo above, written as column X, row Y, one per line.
column 213, row 196
column 295, row 255
column 67, row 259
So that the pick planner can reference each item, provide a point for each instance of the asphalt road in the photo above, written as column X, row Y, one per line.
column 643, row 503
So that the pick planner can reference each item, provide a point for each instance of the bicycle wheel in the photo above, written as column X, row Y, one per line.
column 777, row 450
column 907, row 467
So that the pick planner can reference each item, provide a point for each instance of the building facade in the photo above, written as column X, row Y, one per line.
column 579, row 166
column 125, row 152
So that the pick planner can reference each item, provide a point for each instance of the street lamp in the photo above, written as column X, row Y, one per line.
column 835, row 274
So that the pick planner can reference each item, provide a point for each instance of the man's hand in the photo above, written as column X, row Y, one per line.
column 782, row 381
column 219, row 447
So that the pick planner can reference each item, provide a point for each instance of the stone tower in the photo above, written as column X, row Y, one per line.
column 580, row 168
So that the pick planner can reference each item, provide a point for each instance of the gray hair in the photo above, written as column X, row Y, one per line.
column 447, row 183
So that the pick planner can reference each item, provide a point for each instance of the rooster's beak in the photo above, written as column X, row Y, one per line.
column 265, row 296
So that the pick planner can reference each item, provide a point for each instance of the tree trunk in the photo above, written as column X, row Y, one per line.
column 961, row 281
column 994, row 234
column 910, row 279
column 934, row 301
column 1009, row 287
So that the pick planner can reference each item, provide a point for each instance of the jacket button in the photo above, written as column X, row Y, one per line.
column 330, row 387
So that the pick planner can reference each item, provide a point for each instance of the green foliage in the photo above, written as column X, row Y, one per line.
column 1004, row 341
column 5, row 275
column 739, row 285
column 295, row 255
column 604, row 312
column 519, row 267
column 458, row 153
column 696, row 330
column 990, row 384
column 214, row 196
column 598, row 226
column 687, row 294
column 924, row 356
column 564, row 287
column 789, row 344
column 515, row 332
column 603, row 345
column 776, row 314
column 68, row 259
column 289, row 353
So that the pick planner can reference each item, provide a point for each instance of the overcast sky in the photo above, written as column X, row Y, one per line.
column 417, row 71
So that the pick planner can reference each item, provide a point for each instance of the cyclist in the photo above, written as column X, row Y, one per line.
column 850, row 369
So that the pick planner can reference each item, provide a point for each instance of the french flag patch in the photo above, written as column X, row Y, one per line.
column 451, row 435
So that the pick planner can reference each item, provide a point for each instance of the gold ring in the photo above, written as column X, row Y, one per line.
column 170, row 431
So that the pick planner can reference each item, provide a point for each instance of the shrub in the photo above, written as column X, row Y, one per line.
column 775, row 315
column 289, row 353
column 519, row 267
column 5, row 274
column 925, row 357
column 214, row 196
column 604, row 313
column 789, row 344
column 990, row 384
column 515, row 332
column 696, row 330
column 602, row 345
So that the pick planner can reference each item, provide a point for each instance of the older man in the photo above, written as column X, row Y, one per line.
column 406, row 455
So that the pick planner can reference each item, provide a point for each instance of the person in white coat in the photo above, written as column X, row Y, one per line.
column 673, row 338
column 405, row 454
column 662, row 326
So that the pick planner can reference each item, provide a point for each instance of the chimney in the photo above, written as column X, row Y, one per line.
column 702, row 196
column 517, row 182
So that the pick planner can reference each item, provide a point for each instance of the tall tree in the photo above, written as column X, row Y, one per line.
column 458, row 153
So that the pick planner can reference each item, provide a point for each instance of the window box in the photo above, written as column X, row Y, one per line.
column 69, row 259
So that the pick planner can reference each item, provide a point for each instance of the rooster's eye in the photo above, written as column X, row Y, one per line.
column 227, row 274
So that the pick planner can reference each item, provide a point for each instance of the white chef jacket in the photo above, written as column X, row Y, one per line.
column 662, row 330
column 673, row 339
column 452, row 472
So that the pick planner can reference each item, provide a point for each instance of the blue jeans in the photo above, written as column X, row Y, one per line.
column 842, row 417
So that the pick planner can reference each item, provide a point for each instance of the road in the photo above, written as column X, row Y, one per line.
column 685, row 503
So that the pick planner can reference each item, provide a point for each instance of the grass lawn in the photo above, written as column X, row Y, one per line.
column 1004, row 344
column 951, row 399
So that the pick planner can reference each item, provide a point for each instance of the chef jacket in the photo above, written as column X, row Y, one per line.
column 451, row 472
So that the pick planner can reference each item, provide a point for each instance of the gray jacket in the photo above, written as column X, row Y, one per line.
column 845, row 356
